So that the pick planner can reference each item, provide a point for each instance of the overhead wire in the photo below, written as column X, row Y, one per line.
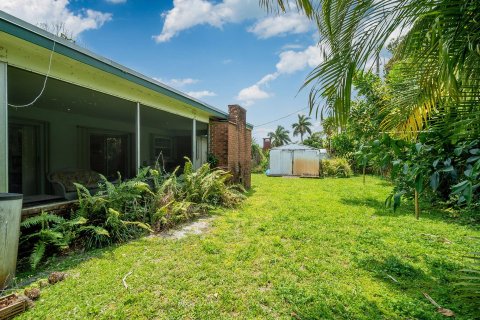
column 288, row 115
column 44, row 82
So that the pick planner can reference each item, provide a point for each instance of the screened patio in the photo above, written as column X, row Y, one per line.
column 74, row 128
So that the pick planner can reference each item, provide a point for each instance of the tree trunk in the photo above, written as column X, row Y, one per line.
column 417, row 206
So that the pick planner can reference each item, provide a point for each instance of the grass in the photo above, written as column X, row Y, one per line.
column 297, row 249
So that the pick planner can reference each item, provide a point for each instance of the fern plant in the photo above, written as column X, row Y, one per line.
column 118, row 212
column 48, row 234
column 193, row 193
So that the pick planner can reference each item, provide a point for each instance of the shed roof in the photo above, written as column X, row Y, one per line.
column 298, row 146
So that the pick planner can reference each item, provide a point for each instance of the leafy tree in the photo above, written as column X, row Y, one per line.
column 302, row 126
column 315, row 140
column 329, row 127
column 440, row 73
column 279, row 137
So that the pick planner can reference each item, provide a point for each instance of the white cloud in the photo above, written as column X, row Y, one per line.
column 292, row 61
column 227, row 61
column 177, row 83
column 269, row 77
column 288, row 23
column 186, row 14
column 400, row 31
column 292, row 46
column 116, row 1
column 261, row 132
column 182, row 82
column 54, row 12
column 249, row 95
column 201, row 94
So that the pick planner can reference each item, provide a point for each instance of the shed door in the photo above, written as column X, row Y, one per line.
column 286, row 159
column 306, row 163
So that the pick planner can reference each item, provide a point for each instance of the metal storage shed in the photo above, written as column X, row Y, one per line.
column 296, row 160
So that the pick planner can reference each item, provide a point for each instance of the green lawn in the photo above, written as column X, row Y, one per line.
column 297, row 249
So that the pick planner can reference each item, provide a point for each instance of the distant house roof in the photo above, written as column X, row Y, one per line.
column 298, row 146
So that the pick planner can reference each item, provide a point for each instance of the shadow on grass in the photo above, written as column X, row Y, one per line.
column 26, row 276
column 438, row 280
column 394, row 271
column 469, row 219
column 58, row 262
column 328, row 303
column 250, row 192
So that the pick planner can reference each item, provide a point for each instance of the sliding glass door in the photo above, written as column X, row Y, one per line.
column 25, row 158
column 109, row 154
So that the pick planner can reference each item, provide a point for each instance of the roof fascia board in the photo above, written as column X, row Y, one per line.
column 37, row 36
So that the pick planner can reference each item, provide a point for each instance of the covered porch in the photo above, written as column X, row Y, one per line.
column 66, row 109
column 75, row 130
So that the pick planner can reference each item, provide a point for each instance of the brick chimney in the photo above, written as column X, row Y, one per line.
column 231, row 143
column 267, row 144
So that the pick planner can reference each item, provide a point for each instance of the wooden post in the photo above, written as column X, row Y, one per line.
column 3, row 128
column 417, row 205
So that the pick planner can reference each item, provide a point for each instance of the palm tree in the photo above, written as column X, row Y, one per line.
column 302, row 126
column 329, row 128
column 279, row 137
column 441, row 72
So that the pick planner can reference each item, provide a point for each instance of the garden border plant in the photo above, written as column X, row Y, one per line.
column 148, row 203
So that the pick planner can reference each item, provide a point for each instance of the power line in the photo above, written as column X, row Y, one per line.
column 288, row 115
column 44, row 82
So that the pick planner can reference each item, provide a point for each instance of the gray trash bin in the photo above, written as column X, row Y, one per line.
column 10, row 216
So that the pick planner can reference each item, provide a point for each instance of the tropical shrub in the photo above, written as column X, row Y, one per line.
column 47, row 233
column 259, row 159
column 315, row 140
column 193, row 193
column 125, row 210
column 437, row 167
column 116, row 212
column 212, row 160
column 336, row 167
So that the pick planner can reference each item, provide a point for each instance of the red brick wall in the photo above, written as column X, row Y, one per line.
column 231, row 142
column 267, row 144
column 219, row 142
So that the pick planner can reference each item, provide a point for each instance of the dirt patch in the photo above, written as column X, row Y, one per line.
column 198, row 226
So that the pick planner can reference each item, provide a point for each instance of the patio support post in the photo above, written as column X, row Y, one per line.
column 194, row 143
column 3, row 128
column 137, row 138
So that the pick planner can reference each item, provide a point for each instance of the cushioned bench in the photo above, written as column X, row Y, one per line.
column 63, row 182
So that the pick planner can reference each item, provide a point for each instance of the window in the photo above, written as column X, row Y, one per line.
column 161, row 145
column 109, row 154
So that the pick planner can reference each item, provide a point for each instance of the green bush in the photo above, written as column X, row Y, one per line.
column 336, row 167
column 259, row 159
column 193, row 193
column 130, row 208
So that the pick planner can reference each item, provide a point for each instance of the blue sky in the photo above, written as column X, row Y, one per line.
column 222, row 52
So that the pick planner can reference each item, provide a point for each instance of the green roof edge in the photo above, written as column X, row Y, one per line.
column 28, row 32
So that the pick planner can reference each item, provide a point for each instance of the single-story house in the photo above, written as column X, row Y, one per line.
column 66, row 109
column 296, row 160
